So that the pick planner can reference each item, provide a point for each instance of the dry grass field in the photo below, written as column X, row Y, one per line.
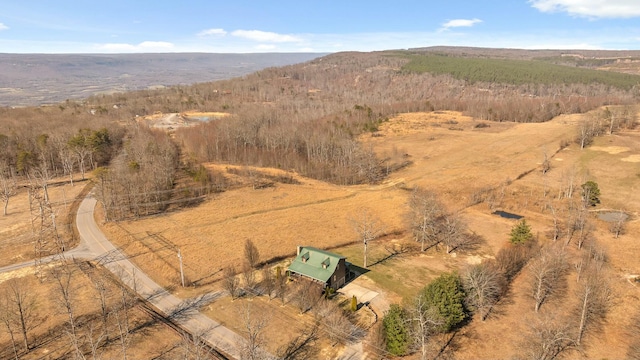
column 49, row 339
column 476, row 167
column 452, row 155
column 16, row 230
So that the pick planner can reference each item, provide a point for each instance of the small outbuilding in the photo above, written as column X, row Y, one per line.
column 325, row 268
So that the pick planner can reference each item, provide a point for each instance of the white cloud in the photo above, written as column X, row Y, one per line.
column 590, row 8
column 212, row 32
column 460, row 23
column 145, row 46
column 3, row 27
column 265, row 36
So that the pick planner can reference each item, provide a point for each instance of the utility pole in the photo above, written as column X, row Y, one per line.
column 181, row 271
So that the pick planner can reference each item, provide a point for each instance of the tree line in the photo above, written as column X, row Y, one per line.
column 308, row 117
column 516, row 72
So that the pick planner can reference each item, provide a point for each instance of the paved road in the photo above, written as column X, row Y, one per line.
column 95, row 246
column 183, row 312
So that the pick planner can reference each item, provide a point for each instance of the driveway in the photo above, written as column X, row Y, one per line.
column 363, row 294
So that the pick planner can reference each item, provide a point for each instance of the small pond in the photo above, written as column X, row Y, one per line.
column 612, row 216
column 507, row 215
column 199, row 118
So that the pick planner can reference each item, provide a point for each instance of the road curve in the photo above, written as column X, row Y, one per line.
column 95, row 246
column 94, row 242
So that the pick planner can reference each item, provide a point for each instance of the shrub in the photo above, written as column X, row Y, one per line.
column 395, row 329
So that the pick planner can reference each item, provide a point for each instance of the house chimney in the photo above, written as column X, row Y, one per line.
column 298, row 250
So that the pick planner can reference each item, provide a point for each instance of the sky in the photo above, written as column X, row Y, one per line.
column 243, row 26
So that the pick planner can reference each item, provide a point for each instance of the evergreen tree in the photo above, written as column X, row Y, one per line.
column 591, row 193
column 446, row 294
column 521, row 233
column 396, row 333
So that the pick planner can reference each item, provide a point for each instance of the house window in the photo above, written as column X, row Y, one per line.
column 334, row 278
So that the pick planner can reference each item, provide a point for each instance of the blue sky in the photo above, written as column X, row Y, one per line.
column 126, row 26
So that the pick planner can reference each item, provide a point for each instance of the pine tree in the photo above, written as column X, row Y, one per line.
column 396, row 333
column 446, row 294
column 591, row 193
column 521, row 233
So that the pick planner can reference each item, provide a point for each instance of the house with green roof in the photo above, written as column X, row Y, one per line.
column 322, row 267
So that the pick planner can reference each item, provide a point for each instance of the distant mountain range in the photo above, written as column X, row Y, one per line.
column 36, row 79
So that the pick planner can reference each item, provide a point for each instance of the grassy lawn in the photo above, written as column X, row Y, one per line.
column 402, row 274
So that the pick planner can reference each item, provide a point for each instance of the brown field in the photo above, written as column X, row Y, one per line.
column 148, row 339
column 451, row 155
column 16, row 230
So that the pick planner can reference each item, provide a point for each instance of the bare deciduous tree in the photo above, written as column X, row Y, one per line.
column 249, row 277
column 593, row 258
column 424, row 217
column 8, row 320
column 452, row 232
column 424, row 322
column 335, row 322
column 268, row 281
column 8, row 185
column 67, row 157
column 548, row 337
column 23, row 303
column 484, row 284
column 230, row 281
column 556, row 232
column 66, row 298
column 194, row 346
column 579, row 224
column 512, row 258
column 617, row 226
column 251, row 253
column 305, row 295
column 95, row 339
column 368, row 227
column 593, row 295
column 253, row 327
column 547, row 271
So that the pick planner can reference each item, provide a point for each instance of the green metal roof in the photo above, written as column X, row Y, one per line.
column 311, row 262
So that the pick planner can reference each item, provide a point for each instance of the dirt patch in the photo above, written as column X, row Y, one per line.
column 172, row 121
column 610, row 149
column 632, row 158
